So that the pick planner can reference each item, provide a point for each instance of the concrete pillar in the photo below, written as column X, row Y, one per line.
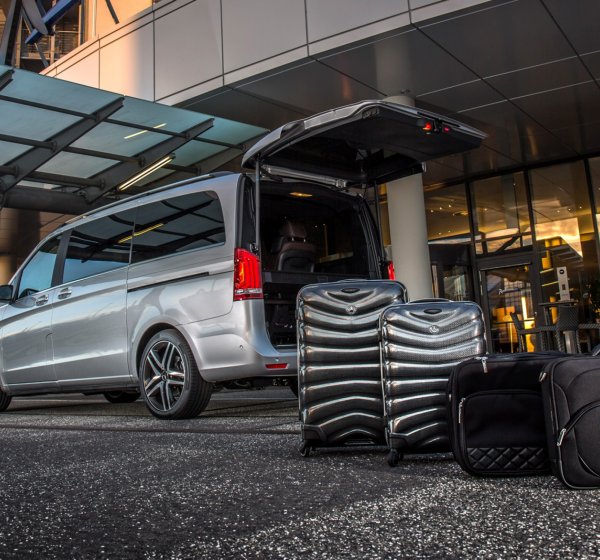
column 408, row 229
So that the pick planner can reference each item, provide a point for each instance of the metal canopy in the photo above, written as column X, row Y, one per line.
column 66, row 148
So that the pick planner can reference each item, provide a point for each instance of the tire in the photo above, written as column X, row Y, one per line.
column 293, row 385
column 393, row 457
column 170, row 381
column 4, row 401
column 117, row 397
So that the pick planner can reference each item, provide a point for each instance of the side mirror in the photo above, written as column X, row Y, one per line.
column 6, row 293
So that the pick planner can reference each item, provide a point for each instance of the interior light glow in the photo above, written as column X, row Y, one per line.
column 145, row 172
column 300, row 194
column 141, row 232
column 143, row 131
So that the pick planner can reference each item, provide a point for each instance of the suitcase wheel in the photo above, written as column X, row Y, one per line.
column 393, row 457
column 305, row 449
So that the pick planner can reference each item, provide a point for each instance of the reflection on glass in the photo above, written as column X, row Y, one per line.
column 37, row 274
column 452, row 282
column 447, row 215
column 502, row 218
column 564, row 231
column 508, row 291
column 449, row 237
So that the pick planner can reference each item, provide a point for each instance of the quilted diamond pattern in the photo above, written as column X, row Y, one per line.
column 508, row 459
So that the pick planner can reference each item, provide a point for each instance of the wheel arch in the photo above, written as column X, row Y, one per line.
column 150, row 332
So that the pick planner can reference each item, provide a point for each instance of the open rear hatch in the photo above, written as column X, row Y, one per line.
column 366, row 143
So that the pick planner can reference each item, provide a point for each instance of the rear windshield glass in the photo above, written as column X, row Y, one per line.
column 312, row 230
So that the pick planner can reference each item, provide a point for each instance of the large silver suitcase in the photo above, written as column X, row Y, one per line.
column 421, row 342
column 339, row 378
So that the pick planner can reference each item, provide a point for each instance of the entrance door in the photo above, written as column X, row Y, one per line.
column 508, row 287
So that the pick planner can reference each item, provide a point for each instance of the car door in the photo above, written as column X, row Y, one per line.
column 89, row 325
column 367, row 143
column 26, row 324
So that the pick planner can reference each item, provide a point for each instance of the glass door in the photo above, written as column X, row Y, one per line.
column 507, row 288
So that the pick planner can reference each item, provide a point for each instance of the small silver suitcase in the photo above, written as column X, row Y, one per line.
column 421, row 342
column 339, row 377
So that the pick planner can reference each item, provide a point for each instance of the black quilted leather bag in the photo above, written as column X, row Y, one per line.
column 497, row 417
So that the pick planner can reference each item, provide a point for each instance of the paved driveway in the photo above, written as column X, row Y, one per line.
column 81, row 478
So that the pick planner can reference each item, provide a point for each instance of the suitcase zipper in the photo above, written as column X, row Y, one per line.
column 461, row 405
column 483, row 360
column 571, row 423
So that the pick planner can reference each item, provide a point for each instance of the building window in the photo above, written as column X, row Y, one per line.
column 449, row 237
column 564, row 230
column 501, row 216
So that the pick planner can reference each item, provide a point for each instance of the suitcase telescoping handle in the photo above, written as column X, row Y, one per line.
column 433, row 300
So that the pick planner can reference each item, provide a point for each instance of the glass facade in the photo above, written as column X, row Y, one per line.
column 564, row 231
column 501, row 214
column 450, row 240
column 525, row 240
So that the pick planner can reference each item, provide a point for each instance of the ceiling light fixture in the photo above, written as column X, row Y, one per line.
column 145, row 172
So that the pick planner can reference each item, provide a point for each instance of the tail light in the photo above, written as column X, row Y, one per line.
column 247, row 279
column 391, row 273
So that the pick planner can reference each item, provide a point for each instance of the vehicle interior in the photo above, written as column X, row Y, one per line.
column 310, row 234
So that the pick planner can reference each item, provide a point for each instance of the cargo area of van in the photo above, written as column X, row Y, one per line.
column 310, row 234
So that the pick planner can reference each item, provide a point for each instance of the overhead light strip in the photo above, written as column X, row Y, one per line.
column 145, row 172
column 143, row 131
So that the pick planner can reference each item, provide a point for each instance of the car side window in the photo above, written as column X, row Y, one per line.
column 178, row 224
column 99, row 246
column 37, row 274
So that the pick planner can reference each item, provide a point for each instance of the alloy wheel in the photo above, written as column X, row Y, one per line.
column 164, row 375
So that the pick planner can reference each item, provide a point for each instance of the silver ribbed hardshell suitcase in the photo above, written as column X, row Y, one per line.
column 339, row 377
column 420, row 344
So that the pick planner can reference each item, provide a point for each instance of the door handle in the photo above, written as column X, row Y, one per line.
column 63, row 294
column 41, row 300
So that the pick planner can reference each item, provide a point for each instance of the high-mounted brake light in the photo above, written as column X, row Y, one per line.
column 390, row 271
column 247, row 279
column 428, row 126
column 446, row 129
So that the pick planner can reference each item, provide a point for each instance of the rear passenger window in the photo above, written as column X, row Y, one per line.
column 99, row 246
column 178, row 224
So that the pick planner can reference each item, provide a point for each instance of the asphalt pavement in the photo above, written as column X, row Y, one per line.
column 81, row 478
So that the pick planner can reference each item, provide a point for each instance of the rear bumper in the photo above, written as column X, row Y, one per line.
column 236, row 345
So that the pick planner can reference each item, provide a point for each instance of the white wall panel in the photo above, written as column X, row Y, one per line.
column 330, row 17
column 84, row 71
column 127, row 64
column 257, row 30
column 188, row 47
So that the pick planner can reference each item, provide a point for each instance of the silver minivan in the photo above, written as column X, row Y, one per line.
column 176, row 291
